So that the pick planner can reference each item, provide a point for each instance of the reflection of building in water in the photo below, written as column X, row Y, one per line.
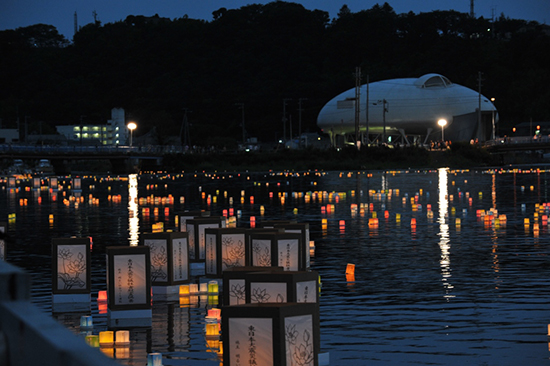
column 133, row 218
column 444, row 241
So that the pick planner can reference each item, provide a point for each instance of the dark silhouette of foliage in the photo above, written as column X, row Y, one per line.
column 259, row 55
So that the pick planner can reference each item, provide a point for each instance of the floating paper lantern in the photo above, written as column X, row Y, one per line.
column 225, row 248
column 92, row 340
column 212, row 327
column 106, row 338
column 350, row 268
column 282, row 334
column 129, row 285
column 102, row 296
column 188, row 215
column 154, row 359
column 282, row 286
column 213, row 288
column 194, row 289
column 197, row 244
column 303, row 230
column 122, row 337
column 86, row 322
column 169, row 260
column 184, row 290
column 71, row 278
column 282, row 249
column 234, row 283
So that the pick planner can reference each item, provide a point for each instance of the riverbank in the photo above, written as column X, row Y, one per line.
column 371, row 158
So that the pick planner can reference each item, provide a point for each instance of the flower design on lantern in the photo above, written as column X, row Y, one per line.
column 72, row 269
column 237, row 291
column 263, row 256
column 303, row 354
column 260, row 295
column 291, row 334
column 234, row 252
column 159, row 259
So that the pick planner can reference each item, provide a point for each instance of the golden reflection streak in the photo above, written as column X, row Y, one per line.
column 444, row 241
column 494, row 191
column 494, row 236
column 133, row 219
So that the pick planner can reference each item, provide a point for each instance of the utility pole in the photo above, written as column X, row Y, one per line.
column 367, row 111
column 241, row 106
column 479, row 76
column 384, row 102
column 184, row 131
column 284, row 118
column 357, row 105
column 300, row 119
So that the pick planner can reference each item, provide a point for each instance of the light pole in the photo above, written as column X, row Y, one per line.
column 493, row 101
column 442, row 122
column 131, row 126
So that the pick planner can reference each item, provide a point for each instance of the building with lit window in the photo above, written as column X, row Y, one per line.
column 113, row 133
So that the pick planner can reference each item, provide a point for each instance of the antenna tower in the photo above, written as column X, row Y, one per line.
column 472, row 14
column 75, row 23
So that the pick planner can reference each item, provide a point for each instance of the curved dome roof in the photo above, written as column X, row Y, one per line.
column 432, row 81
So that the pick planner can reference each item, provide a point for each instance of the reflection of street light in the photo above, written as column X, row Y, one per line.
column 442, row 122
column 131, row 126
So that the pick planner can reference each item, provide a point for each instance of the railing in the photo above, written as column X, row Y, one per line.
column 86, row 149
column 30, row 337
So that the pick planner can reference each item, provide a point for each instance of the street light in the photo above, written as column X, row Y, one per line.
column 131, row 126
column 442, row 122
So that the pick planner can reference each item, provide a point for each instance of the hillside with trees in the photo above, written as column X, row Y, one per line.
column 156, row 68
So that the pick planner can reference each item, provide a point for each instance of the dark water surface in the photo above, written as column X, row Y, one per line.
column 435, row 294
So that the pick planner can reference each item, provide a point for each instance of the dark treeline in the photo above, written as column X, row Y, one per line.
column 156, row 68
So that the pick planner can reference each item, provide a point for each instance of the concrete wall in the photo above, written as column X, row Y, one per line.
column 28, row 336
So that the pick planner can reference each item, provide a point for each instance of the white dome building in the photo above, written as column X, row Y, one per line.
column 413, row 109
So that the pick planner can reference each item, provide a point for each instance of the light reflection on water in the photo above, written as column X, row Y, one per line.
column 439, row 294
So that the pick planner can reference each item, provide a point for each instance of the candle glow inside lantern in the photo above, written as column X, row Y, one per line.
column 86, row 322
column 71, row 278
column 92, row 340
column 279, row 249
column 196, row 230
column 154, row 359
column 282, row 334
column 169, row 261
column 122, row 337
column 106, row 338
column 225, row 248
column 129, row 286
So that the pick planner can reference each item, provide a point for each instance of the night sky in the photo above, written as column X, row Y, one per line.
column 60, row 13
